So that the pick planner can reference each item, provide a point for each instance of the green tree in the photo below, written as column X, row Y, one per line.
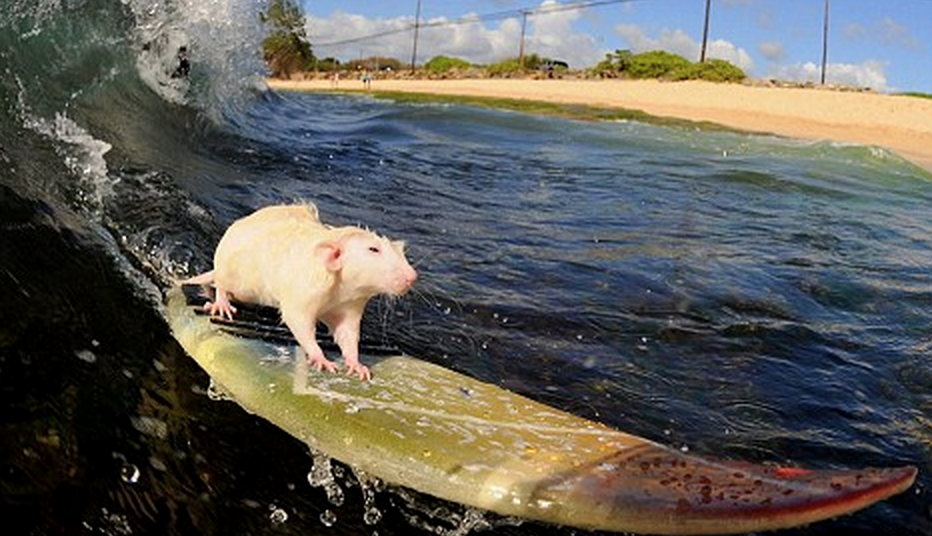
column 286, row 49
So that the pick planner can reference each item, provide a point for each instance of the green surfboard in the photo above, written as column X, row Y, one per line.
column 428, row 428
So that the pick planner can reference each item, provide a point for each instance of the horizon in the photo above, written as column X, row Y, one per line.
column 880, row 47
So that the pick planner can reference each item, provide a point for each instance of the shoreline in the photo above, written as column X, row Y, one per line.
column 899, row 123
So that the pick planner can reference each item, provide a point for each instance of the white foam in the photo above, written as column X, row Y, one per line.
column 222, row 38
column 80, row 151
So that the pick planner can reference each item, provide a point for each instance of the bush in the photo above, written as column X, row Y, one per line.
column 511, row 66
column 711, row 70
column 656, row 64
column 660, row 64
column 613, row 64
column 505, row 68
column 444, row 64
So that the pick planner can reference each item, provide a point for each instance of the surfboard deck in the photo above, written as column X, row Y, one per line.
column 428, row 428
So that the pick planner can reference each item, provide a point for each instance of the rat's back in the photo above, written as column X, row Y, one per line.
column 265, row 252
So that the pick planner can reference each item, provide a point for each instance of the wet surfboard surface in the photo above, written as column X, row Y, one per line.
column 431, row 429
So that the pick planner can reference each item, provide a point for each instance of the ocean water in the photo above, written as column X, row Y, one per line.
column 744, row 296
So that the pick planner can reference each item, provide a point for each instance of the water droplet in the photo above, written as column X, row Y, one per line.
column 216, row 393
column 372, row 516
column 129, row 473
column 278, row 516
column 328, row 518
column 87, row 356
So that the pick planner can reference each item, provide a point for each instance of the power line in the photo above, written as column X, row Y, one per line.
column 473, row 19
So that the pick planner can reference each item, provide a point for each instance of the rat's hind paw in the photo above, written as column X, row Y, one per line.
column 225, row 310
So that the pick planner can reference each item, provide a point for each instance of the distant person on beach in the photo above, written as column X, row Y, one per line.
column 184, row 64
column 335, row 79
column 367, row 79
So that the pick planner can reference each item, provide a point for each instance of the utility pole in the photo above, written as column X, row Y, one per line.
column 521, row 44
column 705, row 31
column 825, row 42
column 417, row 26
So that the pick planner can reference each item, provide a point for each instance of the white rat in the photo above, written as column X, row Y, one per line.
column 283, row 256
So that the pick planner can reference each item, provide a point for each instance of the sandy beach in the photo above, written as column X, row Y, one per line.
column 900, row 123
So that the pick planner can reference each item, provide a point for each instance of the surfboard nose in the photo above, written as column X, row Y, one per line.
column 686, row 494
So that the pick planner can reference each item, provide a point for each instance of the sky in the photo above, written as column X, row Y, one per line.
column 882, row 45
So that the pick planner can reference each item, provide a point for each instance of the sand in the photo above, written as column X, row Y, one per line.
column 900, row 123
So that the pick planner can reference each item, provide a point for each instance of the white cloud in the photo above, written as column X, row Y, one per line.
column 885, row 31
column 869, row 74
column 342, row 28
column 679, row 42
column 553, row 36
column 548, row 34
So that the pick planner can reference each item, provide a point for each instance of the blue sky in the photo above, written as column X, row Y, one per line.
column 885, row 45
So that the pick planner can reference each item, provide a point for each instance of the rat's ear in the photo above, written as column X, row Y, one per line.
column 331, row 254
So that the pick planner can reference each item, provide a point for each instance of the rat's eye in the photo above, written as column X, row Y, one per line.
column 375, row 249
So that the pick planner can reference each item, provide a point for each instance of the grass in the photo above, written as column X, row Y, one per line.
column 917, row 94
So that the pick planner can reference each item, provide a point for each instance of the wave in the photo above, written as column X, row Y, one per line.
column 104, row 93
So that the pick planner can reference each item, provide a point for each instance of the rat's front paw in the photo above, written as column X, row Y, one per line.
column 322, row 363
column 359, row 370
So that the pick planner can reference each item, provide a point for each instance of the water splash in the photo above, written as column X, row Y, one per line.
column 322, row 476
column 221, row 40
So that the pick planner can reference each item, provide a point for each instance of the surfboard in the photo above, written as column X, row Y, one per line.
column 431, row 429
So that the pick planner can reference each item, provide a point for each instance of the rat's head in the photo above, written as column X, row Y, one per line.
column 368, row 263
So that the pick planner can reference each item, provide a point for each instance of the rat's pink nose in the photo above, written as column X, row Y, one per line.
column 410, row 277
column 406, row 279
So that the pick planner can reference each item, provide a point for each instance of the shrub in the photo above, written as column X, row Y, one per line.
column 613, row 64
column 712, row 71
column 513, row 65
column 660, row 64
column 443, row 64
column 656, row 64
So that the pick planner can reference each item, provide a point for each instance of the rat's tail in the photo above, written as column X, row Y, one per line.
column 207, row 278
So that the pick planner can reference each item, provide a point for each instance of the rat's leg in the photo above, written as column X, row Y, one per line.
column 303, row 326
column 344, row 325
column 221, row 306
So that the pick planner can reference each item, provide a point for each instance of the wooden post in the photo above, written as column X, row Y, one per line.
column 705, row 31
